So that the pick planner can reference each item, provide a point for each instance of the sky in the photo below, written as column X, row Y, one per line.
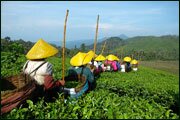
column 30, row 20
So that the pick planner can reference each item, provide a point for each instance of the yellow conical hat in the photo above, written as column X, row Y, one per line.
column 134, row 61
column 100, row 58
column 127, row 59
column 80, row 59
column 112, row 57
column 92, row 53
column 41, row 50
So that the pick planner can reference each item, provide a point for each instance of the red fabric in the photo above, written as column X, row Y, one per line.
column 16, row 99
column 50, row 83
column 6, row 109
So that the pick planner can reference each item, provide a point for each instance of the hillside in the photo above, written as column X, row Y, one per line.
column 149, row 43
column 111, row 43
column 143, row 47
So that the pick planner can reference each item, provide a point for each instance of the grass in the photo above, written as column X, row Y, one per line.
column 168, row 66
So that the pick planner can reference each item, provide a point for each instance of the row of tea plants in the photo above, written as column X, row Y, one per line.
column 145, row 94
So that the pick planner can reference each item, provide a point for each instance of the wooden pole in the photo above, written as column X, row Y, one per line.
column 103, row 47
column 63, row 47
column 132, row 56
column 95, row 40
column 122, row 54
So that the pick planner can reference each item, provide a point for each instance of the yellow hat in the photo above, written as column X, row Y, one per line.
column 41, row 50
column 92, row 53
column 134, row 61
column 112, row 57
column 100, row 58
column 127, row 59
column 80, row 59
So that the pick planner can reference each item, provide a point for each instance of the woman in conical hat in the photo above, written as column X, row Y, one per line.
column 81, row 73
column 126, row 66
column 134, row 64
column 38, row 74
column 112, row 62
column 36, row 59
column 100, row 61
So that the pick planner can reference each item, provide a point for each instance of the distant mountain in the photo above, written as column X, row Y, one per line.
column 77, row 43
column 123, row 36
column 72, row 44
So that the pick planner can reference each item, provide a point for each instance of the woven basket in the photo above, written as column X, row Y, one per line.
column 12, row 84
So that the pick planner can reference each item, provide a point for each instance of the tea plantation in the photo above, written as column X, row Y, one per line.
column 145, row 94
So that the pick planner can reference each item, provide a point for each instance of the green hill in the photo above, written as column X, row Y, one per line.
column 143, row 47
column 151, row 43
column 111, row 44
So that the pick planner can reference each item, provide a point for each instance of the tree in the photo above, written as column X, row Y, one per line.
column 83, row 47
column 7, row 38
column 16, row 48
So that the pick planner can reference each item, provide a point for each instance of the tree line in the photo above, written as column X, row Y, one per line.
column 114, row 45
column 22, row 47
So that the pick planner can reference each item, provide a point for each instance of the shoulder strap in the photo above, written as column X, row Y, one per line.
column 27, row 76
column 26, row 65
column 38, row 67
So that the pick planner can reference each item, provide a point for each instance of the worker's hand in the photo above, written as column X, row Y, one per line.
column 62, row 82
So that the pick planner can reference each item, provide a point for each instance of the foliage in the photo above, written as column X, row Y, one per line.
column 83, row 46
column 145, row 94
column 11, row 63
column 17, row 46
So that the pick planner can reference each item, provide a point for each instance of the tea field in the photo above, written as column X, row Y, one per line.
column 145, row 94
column 168, row 66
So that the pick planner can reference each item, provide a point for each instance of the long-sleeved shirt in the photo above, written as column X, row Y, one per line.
column 43, row 75
column 84, row 76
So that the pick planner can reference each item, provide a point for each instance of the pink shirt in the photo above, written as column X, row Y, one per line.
column 114, row 65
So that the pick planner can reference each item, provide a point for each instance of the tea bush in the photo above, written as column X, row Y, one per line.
column 145, row 94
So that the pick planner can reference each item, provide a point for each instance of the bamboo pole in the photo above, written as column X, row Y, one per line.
column 122, row 53
column 63, row 47
column 95, row 40
column 103, row 47
column 132, row 56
